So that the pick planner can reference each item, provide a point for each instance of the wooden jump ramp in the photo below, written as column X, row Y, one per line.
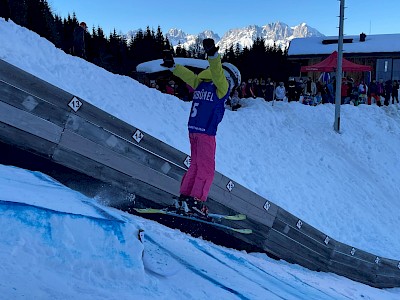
column 65, row 129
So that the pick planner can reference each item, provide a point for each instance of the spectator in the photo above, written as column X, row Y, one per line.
column 79, row 40
column 388, row 88
column 325, row 94
column 319, row 86
column 242, row 90
column 300, row 86
column 331, row 90
column 380, row 86
column 249, row 89
column 310, row 87
column 395, row 91
column 235, row 100
column 257, row 89
column 344, row 92
column 349, row 94
column 292, row 91
column 318, row 99
column 170, row 88
column 153, row 84
column 373, row 92
column 269, row 90
column 280, row 92
column 263, row 88
column 362, row 92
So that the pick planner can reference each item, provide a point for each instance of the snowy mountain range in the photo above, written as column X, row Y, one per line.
column 277, row 32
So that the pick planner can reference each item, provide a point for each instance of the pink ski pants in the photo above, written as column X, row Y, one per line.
column 199, row 177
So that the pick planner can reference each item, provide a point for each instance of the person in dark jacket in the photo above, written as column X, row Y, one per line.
column 395, row 91
column 269, row 90
column 388, row 92
column 257, row 88
column 291, row 90
column 79, row 40
column 211, row 89
column 263, row 89
column 373, row 92
column 300, row 86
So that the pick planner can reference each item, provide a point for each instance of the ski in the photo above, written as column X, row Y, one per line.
column 197, row 219
column 238, row 217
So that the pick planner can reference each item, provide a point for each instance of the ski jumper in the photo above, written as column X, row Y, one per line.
column 211, row 89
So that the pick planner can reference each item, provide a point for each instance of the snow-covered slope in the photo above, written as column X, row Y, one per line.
column 57, row 244
column 346, row 185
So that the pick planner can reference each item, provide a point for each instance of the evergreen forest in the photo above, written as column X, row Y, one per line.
column 113, row 52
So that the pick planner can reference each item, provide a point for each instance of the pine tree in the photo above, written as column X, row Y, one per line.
column 5, row 10
column 196, row 50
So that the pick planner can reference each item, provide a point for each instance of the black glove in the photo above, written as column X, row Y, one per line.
column 209, row 47
column 168, row 59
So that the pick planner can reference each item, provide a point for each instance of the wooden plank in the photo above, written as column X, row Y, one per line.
column 106, row 156
column 33, row 85
column 256, row 207
column 109, row 175
column 388, row 267
column 33, row 105
column 27, row 122
column 241, row 192
column 306, row 229
column 385, row 282
column 352, row 267
column 292, row 246
column 126, row 148
column 358, row 272
column 294, row 252
column 258, row 214
column 60, row 98
column 24, row 140
column 126, row 131
column 294, row 234
column 341, row 248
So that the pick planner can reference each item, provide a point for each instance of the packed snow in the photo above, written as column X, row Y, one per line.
column 375, row 43
column 58, row 244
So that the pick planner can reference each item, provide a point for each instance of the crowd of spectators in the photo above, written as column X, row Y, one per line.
column 311, row 92
column 173, row 87
column 303, row 90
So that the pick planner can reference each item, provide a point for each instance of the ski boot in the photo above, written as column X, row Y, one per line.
column 194, row 206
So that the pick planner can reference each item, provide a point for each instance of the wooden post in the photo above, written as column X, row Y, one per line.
column 339, row 69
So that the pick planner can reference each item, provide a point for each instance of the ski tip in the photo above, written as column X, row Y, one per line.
column 238, row 217
column 243, row 230
column 149, row 210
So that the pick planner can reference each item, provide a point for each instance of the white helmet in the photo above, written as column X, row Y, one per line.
column 232, row 74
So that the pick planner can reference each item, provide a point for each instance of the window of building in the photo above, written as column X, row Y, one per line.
column 396, row 69
column 384, row 69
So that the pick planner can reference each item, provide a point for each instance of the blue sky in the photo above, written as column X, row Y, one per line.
column 192, row 17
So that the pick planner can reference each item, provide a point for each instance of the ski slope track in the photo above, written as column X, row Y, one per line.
column 80, row 249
